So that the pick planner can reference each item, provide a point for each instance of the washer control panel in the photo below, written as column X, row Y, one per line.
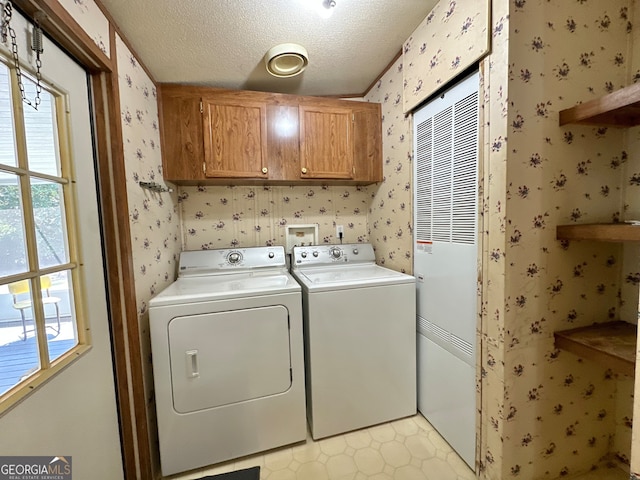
column 207, row 262
column 317, row 255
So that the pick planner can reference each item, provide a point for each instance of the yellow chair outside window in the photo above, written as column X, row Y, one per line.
column 21, row 288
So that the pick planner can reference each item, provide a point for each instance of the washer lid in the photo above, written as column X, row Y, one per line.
column 220, row 287
column 354, row 276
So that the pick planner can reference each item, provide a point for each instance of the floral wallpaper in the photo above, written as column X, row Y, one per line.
column 631, row 187
column 90, row 17
column 390, row 220
column 450, row 39
column 248, row 216
column 493, row 80
column 154, row 217
column 547, row 413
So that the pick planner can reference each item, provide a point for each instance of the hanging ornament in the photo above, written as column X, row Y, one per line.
column 6, row 30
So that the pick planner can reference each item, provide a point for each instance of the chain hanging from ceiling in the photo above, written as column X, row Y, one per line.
column 6, row 30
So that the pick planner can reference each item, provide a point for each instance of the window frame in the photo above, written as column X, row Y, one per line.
column 67, row 181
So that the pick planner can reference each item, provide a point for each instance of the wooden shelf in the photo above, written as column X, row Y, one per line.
column 604, row 232
column 618, row 109
column 611, row 344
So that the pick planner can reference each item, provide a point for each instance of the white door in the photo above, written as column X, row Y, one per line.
column 228, row 357
column 74, row 414
column 445, row 261
column 446, row 152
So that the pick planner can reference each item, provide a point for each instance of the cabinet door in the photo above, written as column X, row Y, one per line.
column 283, row 141
column 367, row 140
column 234, row 137
column 326, row 142
column 181, row 134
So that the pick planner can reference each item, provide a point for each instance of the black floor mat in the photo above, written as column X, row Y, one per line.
column 252, row 473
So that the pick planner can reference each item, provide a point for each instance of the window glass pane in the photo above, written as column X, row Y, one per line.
column 41, row 132
column 50, row 223
column 60, row 317
column 13, row 256
column 7, row 137
column 18, row 342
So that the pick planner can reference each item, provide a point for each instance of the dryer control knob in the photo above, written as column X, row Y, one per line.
column 335, row 252
column 355, row 251
column 303, row 254
column 271, row 254
column 234, row 257
column 315, row 253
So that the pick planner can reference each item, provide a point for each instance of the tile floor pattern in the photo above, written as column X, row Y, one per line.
column 406, row 449
column 604, row 472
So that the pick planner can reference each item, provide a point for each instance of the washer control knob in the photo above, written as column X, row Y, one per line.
column 315, row 253
column 355, row 251
column 234, row 257
column 271, row 254
column 303, row 254
column 335, row 252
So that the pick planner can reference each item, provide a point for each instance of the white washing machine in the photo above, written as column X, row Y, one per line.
column 360, row 338
column 228, row 359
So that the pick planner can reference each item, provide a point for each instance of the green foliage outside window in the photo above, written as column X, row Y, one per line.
column 43, row 196
column 46, row 207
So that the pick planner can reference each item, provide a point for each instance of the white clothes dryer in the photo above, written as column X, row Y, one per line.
column 228, row 359
column 360, row 338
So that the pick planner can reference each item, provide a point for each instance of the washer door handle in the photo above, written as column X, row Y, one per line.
column 192, row 363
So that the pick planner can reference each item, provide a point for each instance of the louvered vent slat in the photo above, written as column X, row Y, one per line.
column 446, row 174
column 442, row 175
column 423, row 180
column 465, row 141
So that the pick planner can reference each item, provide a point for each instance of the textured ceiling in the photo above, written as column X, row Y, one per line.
column 222, row 42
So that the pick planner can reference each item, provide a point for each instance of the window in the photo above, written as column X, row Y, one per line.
column 40, row 327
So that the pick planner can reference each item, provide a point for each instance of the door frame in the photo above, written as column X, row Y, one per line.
column 112, row 196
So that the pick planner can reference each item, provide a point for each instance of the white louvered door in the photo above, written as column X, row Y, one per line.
column 445, row 261
column 446, row 151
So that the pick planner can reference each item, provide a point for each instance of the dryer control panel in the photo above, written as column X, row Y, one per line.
column 318, row 255
column 227, row 260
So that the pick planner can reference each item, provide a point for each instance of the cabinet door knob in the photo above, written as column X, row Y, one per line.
column 304, row 170
column 264, row 170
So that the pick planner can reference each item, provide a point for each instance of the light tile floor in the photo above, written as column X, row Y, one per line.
column 405, row 449
column 604, row 472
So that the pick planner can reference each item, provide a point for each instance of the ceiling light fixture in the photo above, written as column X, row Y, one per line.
column 286, row 60
column 323, row 8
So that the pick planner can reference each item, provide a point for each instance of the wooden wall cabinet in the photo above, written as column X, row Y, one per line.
column 218, row 136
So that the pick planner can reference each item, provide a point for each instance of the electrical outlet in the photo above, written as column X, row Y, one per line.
column 339, row 231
